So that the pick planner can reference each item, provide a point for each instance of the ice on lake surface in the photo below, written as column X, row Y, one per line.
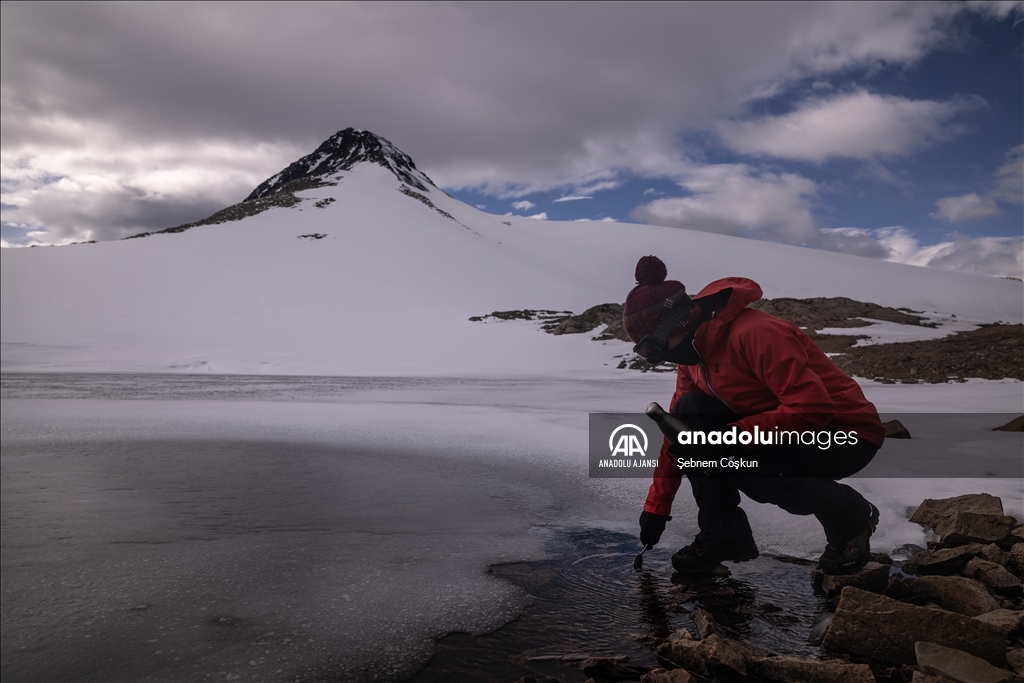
column 179, row 527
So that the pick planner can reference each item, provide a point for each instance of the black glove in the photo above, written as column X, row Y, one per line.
column 651, row 528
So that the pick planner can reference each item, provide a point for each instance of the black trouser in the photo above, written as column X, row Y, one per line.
column 799, row 479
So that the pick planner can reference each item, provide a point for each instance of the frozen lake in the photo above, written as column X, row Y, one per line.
column 171, row 527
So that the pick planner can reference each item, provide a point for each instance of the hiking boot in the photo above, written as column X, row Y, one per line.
column 852, row 555
column 703, row 557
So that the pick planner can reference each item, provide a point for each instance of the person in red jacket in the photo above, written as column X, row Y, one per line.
column 740, row 367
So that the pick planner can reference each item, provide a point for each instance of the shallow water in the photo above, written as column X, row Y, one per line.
column 588, row 601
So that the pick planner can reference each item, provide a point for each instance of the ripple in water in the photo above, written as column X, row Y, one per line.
column 590, row 602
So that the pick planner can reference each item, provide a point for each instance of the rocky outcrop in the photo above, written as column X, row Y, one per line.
column 894, row 429
column 341, row 152
column 593, row 317
column 991, row 352
column 818, row 313
column 1014, row 425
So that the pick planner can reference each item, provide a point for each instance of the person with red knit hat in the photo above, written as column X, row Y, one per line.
column 736, row 366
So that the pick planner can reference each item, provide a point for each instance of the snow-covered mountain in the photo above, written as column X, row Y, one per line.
column 350, row 261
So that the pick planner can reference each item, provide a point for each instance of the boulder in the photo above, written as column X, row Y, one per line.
column 932, row 511
column 1007, row 620
column 944, row 561
column 714, row 656
column 873, row 577
column 666, row 676
column 883, row 629
column 725, row 655
column 993, row 575
column 974, row 527
column 683, row 650
column 790, row 669
column 894, row 429
column 1017, row 535
column 954, row 593
column 957, row 665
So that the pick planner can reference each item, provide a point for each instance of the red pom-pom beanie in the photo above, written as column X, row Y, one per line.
column 650, row 300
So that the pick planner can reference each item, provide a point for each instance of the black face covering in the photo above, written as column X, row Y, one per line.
column 685, row 353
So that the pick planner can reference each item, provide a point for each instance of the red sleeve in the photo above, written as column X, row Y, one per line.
column 684, row 385
column 780, row 362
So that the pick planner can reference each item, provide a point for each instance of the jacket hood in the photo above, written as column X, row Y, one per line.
column 744, row 292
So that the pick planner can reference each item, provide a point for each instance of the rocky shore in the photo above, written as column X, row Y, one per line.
column 952, row 612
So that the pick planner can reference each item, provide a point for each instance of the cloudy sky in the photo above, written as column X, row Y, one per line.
column 886, row 130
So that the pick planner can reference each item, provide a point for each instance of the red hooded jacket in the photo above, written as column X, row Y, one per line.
column 769, row 371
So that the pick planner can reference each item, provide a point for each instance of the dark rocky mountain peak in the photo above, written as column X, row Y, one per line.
column 341, row 152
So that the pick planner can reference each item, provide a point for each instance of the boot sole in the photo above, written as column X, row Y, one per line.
column 705, row 567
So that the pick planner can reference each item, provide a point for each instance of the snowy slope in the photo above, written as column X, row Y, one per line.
column 390, row 288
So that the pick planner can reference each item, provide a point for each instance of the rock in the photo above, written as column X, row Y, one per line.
column 666, row 676
column 880, row 558
column 955, row 593
column 932, row 511
column 1014, row 425
column 873, row 577
column 974, row 527
column 993, row 553
column 820, row 628
column 809, row 670
column 993, row 575
column 724, row 655
column 1015, row 657
column 1017, row 535
column 957, row 665
column 683, row 650
column 1007, row 620
column 609, row 669
column 1017, row 559
column 922, row 677
column 944, row 561
column 894, row 429
column 883, row 629
column 714, row 656
column 705, row 623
